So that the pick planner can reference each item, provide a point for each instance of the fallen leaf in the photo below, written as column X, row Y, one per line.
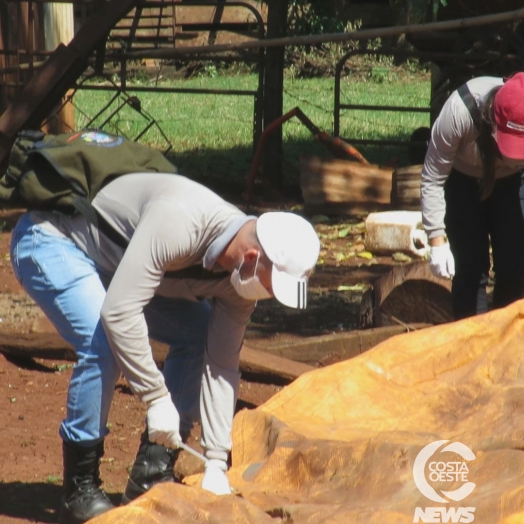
column 343, row 233
column 319, row 219
column 355, row 287
column 401, row 257
column 365, row 254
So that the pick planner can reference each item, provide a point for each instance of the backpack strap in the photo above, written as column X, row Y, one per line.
column 82, row 205
column 471, row 105
column 197, row 272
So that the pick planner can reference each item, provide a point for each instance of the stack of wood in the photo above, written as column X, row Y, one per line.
column 346, row 187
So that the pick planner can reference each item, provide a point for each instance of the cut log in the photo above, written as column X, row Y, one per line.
column 343, row 186
column 260, row 362
column 405, row 188
column 406, row 295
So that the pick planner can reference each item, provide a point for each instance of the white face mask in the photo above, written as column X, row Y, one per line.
column 250, row 289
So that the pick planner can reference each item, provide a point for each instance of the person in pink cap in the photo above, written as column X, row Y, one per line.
column 471, row 193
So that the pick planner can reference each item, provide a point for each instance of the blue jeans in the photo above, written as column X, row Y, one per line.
column 67, row 286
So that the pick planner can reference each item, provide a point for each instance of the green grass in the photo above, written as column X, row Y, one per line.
column 212, row 134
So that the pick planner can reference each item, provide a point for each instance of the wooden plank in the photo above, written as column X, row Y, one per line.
column 254, row 361
column 327, row 349
column 285, row 360
column 51, row 346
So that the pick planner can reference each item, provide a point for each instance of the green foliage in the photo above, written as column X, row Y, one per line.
column 311, row 17
column 321, row 60
column 420, row 10
column 53, row 479
column 307, row 17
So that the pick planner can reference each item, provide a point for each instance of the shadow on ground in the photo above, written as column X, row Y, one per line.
column 38, row 501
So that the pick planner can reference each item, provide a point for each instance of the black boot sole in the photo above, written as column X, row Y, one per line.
column 66, row 517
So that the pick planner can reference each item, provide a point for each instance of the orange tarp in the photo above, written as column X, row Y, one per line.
column 339, row 444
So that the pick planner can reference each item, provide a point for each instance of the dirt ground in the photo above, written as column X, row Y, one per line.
column 33, row 390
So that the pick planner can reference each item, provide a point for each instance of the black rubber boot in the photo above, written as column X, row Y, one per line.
column 153, row 464
column 83, row 499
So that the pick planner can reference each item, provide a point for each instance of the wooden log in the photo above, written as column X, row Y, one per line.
column 344, row 187
column 405, row 188
column 51, row 346
column 407, row 294
column 324, row 350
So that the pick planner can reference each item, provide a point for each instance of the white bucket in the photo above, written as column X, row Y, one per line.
column 393, row 231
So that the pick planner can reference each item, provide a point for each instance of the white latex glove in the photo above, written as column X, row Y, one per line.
column 441, row 261
column 163, row 422
column 215, row 479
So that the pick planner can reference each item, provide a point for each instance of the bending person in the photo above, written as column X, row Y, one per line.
column 470, row 191
column 192, row 272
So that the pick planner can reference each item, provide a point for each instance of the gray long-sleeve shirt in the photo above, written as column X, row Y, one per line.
column 453, row 145
column 171, row 223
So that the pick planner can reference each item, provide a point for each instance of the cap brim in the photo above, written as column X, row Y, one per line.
column 510, row 145
column 289, row 290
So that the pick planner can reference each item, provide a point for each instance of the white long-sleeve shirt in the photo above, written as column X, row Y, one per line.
column 453, row 145
column 172, row 223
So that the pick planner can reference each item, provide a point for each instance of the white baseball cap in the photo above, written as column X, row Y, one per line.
column 292, row 245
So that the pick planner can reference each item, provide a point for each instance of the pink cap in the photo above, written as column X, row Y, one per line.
column 509, row 117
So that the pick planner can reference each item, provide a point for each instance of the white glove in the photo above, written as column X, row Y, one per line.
column 215, row 479
column 163, row 422
column 441, row 261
